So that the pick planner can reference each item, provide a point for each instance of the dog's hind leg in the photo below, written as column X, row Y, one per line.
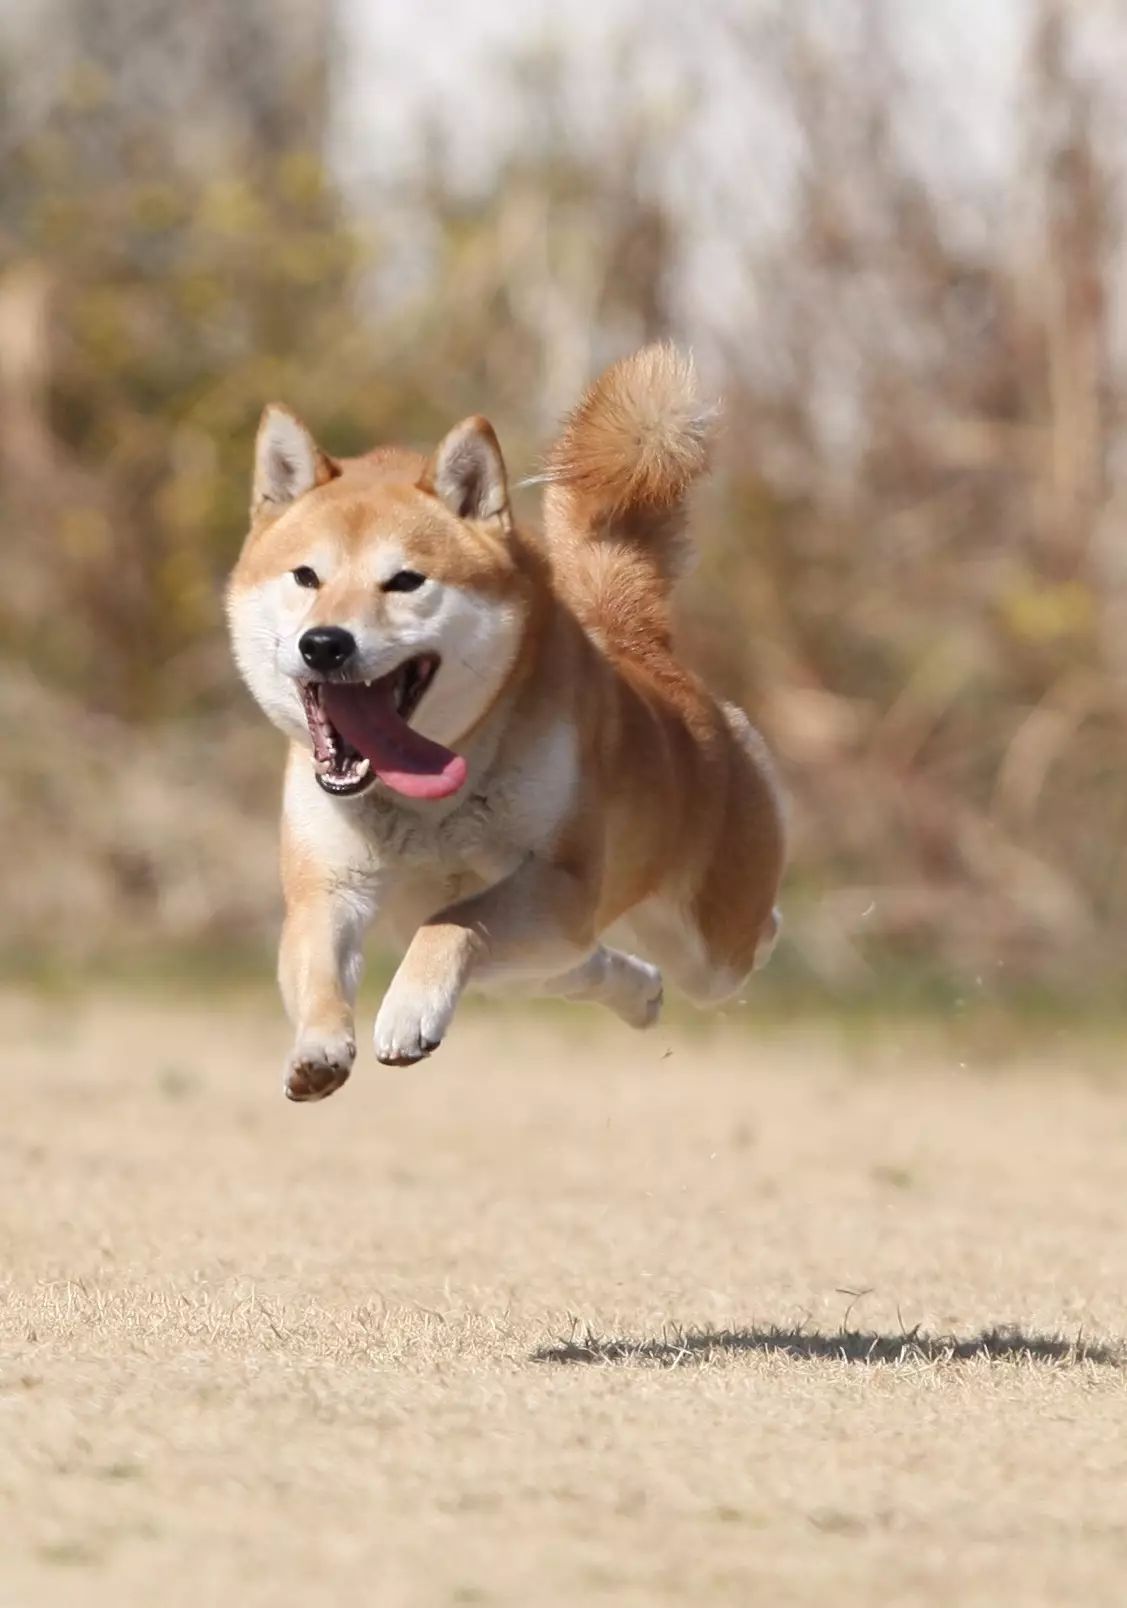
column 768, row 938
column 670, row 937
column 630, row 987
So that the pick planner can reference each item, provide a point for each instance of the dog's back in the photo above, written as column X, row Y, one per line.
column 617, row 482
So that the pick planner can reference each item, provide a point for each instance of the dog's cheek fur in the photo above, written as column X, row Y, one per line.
column 258, row 638
column 478, row 638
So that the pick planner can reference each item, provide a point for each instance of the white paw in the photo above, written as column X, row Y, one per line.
column 638, row 991
column 318, row 1066
column 411, row 1023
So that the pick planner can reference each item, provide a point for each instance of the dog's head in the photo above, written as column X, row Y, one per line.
column 378, row 607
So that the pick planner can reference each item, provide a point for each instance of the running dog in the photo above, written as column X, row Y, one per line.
column 494, row 749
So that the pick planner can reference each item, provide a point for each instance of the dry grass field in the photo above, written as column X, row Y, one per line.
column 566, row 1316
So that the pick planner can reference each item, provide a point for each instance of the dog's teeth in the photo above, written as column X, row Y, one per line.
column 363, row 768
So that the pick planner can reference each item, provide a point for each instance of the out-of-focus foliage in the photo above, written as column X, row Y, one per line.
column 170, row 298
column 910, row 566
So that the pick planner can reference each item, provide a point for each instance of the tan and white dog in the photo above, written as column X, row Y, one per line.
column 494, row 749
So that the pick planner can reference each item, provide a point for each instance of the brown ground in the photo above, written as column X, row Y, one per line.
column 262, row 1354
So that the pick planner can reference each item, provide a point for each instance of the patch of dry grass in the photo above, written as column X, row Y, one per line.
column 555, row 1319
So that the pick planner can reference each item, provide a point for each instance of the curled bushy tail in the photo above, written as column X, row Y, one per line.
column 622, row 467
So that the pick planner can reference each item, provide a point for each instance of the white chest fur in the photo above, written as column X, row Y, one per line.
column 513, row 810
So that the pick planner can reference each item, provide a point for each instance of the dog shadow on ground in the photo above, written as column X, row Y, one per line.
column 676, row 1347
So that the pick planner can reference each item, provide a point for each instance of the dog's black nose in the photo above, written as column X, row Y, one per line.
column 327, row 647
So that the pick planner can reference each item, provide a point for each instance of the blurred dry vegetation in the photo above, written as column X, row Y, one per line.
column 913, row 573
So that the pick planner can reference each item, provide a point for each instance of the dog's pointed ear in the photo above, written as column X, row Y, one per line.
column 467, row 472
column 287, row 460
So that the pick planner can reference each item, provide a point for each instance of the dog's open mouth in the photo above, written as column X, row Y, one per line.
column 361, row 732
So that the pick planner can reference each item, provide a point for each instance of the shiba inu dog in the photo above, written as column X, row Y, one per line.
column 495, row 751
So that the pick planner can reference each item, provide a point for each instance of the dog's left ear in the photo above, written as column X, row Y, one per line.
column 287, row 460
column 467, row 473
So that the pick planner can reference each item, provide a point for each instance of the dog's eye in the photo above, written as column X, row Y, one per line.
column 404, row 581
column 304, row 576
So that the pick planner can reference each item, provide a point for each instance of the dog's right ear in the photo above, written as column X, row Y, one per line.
column 287, row 460
column 467, row 473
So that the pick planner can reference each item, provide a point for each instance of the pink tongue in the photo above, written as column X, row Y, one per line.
column 367, row 718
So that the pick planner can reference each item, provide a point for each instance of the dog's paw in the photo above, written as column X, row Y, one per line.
column 639, row 993
column 318, row 1067
column 410, row 1024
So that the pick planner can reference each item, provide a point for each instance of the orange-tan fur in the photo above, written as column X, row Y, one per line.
column 608, row 789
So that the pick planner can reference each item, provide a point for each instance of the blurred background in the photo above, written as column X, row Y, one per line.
column 893, row 235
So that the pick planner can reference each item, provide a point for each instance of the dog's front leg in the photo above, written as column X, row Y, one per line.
column 319, row 966
column 535, row 923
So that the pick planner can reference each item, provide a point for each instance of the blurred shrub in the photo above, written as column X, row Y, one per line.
column 909, row 570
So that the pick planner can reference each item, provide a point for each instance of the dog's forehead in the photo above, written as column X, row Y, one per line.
column 374, row 528
column 391, row 521
column 361, row 527
column 361, row 515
